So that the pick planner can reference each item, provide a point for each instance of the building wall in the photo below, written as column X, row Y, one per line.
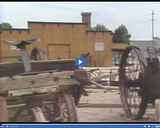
column 11, row 35
column 99, row 58
column 80, row 39
column 118, row 45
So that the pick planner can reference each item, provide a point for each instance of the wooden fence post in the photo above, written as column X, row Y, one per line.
column 157, row 110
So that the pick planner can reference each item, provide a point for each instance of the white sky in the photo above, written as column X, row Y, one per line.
column 136, row 16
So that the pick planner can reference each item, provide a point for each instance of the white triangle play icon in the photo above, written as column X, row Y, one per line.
column 80, row 61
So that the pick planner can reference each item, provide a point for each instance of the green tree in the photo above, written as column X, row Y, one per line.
column 121, row 35
column 156, row 38
column 5, row 25
column 99, row 27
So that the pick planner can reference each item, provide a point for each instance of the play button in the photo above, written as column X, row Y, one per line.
column 80, row 61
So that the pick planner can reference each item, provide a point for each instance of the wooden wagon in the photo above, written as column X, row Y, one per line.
column 41, row 91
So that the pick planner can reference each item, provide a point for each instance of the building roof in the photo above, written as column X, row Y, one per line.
column 98, row 31
column 40, row 22
column 16, row 29
column 143, row 44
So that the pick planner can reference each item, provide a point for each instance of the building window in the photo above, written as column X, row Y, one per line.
column 14, row 48
column 99, row 46
column 116, row 57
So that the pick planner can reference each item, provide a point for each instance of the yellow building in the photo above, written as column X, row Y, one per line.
column 63, row 40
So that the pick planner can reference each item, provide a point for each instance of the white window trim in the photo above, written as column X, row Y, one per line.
column 99, row 46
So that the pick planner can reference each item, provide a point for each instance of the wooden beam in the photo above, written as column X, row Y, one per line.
column 100, row 105
column 62, row 79
column 157, row 110
column 14, row 101
column 9, row 69
column 36, row 90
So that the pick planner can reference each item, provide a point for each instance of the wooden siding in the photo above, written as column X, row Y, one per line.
column 12, row 35
column 58, row 51
column 99, row 58
column 80, row 41
column 119, row 45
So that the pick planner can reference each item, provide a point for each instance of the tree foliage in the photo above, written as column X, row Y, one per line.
column 156, row 38
column 99, row 27
column 5, row 25
column 121, row 35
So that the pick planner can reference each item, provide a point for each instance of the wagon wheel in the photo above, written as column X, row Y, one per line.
column 38, row 53
column 133, row 93
column 28, row 116
column 65, row 110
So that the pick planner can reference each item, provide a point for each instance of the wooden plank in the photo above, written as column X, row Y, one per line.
column 157, row 110
column 108, row 87
column 24, row 118
column 56, row 51
column 8, row 69
column 52, row 55
column 100, row 105
column 33, row 90
column 40, row 80
column 17, row 106
column 12, row 101
column 96, row 105
column 6, row 57
column 24, row 114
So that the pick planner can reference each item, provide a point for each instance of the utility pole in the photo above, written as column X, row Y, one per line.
column 153, row 30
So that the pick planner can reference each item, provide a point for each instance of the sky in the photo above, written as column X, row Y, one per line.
column 136, row 16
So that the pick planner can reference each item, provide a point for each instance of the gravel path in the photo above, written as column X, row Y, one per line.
column 98, row 96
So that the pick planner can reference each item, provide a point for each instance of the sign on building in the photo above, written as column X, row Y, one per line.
column 99, row 46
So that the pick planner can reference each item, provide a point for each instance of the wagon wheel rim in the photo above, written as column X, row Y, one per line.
column 30, row 113
column 130, row 80
column 64, row 108
column 18, row 113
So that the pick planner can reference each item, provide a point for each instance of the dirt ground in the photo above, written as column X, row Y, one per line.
column 98, row 96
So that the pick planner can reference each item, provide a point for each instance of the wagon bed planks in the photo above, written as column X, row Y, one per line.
column 62, row 79
column 9, row 69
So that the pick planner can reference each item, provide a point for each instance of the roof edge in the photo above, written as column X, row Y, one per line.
column 99, row 31
column 39, row 22
column 15, row 29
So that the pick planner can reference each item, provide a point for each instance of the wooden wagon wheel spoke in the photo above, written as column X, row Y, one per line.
column 135, row 106
column 130, row 79
column 63, row 110
column 130, row 98
column 64, row 107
